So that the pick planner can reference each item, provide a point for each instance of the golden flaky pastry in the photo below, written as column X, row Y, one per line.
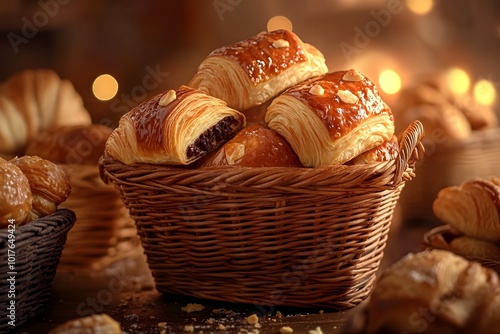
column 475, row 248
column 254, row 146
column 32, row 101
column 49, row 184
column 434, row 292
column 15, row 194
column 472, row 208
column 250, row 72
column 386, row 151
column 332, row 118
column 176, row 127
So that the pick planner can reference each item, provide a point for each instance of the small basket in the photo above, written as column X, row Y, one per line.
column 38, row 247
column 440, row 238
column 449, row 164
column 104, row 233
column 301, row 237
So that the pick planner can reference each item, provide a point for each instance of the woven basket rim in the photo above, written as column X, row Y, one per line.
column 391, row 173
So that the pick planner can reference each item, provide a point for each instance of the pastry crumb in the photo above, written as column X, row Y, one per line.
column 252, row 319
column 286, row 330
column 188, row 328
column 317, row 330
column 221, row 327
column 192, row 307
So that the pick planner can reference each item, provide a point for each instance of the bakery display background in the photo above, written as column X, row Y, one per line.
column 150, row 46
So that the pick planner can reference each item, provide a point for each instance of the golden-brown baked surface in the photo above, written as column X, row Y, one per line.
column 95, row 323
column 15, row 194
column 386, row 151
column 36, row 100
column 254, row 146
column 434, row 292
column 48, row 183
column 475, row 248
column 332, row 118
column 72, row 144
column 472, row 208
column 176, row 127
column 248, row 73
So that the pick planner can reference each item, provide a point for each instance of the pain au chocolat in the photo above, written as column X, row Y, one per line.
column 176, row 127
column 331, row 119
column 250, row 72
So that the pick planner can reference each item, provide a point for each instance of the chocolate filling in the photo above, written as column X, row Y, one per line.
column 214, row 137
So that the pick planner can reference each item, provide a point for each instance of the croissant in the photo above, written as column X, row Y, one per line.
column 176, row 127
column 472, row 208
column 434, row 291
column 475, row 248
column 250, row 72
column 15, row 194
column 49, row 184
column 332, row 118
column 35, row 100
column 386, row 151
column 254, row 146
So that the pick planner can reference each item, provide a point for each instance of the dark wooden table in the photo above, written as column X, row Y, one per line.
column 126, row 292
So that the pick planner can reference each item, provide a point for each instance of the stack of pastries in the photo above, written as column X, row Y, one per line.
column 30, row 188
column 472, row 211
column 446, row 115
column 266, row 101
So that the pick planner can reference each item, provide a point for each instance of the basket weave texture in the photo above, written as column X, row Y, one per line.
column 449, row 164
column 440, row 238
column 304, row 237
column 104, row 232
column 38, row 247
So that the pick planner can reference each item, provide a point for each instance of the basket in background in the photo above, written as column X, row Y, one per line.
column 440, row 237
column 104, row 233
column 449, row 164
column 305, row 237
column 38, row 247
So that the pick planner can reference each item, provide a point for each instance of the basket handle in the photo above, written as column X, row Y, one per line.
column 411, row 150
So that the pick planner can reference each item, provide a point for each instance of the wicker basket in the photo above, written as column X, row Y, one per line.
column 440, row 238
column 446, row 165
column 305, row 237
column 104, row 232
column 38, row 247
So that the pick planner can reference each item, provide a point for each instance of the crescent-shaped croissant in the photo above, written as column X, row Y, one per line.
column 248, row 73
column 176, row 127
column 332, row 118
column 32, row 101
column 472, row 208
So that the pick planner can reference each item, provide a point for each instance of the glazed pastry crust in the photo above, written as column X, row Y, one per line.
column 250, row 72
column 472, row 208
column 175, row 127
column 72, row 144
column 254, row 146
column 331, row 119
column 15, row 194
column 49, row 184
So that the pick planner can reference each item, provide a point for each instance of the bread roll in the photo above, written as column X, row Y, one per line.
column 248, row 73
column 472, row 208
column 386, row 151
column 32, row 101
column 48, row 182
column 72, row 144
column 434, row 292
column 176, row 127
column 332, row 118
column 15, row 194
column 254, row 146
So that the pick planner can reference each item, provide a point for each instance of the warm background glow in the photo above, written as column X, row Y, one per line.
column 420, row 7
column 458, row 80
column 484, row 92
column 279, row 22
column 105, row 87
column 389, row 81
